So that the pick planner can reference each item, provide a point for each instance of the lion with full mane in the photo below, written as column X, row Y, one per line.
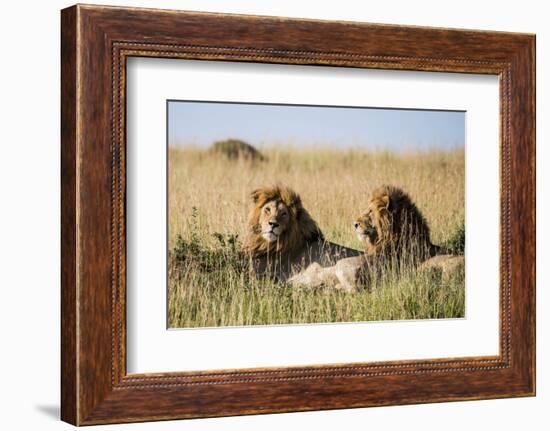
column 393, row 227
column 395, row 233
column 283, row 239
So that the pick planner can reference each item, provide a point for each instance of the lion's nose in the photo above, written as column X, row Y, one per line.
column 273, row 224
column 356, row 225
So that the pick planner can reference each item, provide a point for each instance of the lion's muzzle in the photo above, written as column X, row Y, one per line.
column 365, row 232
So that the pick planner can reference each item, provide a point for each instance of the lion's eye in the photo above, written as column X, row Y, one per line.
column 267, row 210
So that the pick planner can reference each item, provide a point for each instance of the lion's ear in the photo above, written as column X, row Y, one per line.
column 255, row 195
column 386, row 201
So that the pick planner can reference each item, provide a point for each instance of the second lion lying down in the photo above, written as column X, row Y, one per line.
column 283, row 238
column 395, row 233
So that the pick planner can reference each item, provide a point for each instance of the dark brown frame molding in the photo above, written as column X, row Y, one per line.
column 95, row 43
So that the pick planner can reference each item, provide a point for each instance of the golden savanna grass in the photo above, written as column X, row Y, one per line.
column 208, row 202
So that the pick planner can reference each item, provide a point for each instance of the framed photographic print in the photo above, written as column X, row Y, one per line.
column 264, row 215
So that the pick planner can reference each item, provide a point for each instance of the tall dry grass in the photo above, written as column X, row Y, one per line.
column 208, row 201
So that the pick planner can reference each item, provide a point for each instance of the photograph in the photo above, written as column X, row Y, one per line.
column 284, row 214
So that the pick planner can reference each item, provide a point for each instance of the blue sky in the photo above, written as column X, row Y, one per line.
column 201, row 123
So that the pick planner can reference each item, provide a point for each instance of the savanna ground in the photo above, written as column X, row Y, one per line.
column 208, row 205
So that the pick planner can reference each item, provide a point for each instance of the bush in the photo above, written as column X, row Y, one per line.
column 189, row 255
column 456, row 243
column 236, row 149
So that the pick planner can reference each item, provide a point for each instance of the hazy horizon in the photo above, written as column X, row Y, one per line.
column 199, row 124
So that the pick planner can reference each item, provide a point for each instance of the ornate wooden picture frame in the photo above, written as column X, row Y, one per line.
column 96, row 41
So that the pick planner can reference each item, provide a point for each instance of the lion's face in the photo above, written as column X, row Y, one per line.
column 278, row 223
column 373, row 225
column 365, row 228
column 274, row 220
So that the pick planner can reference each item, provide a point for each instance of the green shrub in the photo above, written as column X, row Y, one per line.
column 456, row 243
column 190, row 255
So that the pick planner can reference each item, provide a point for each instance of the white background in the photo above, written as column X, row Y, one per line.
column 29, row 216
column 151, row 348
